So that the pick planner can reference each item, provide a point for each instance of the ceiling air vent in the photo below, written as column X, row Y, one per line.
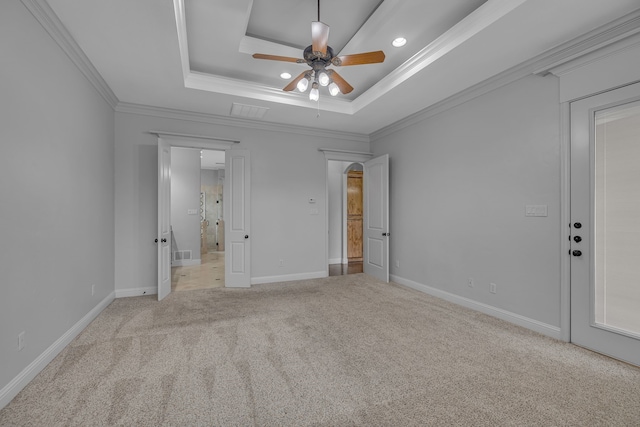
column 248, row 111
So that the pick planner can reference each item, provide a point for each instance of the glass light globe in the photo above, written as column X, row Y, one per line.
column 303, row 84
column 334, row 89
column 323, row 79
column 314, row 95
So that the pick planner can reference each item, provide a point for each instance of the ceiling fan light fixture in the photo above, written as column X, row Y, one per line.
column 314, row 95
column 303, row 84
column 323, row 78
column 334, row 89
column 399, row 42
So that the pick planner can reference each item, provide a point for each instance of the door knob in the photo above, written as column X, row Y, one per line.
column 384, row 234
column 577, row 239
column 164, row 240
column 156, row 240
column 577, row 225
column 246, row 236
column 576, row 253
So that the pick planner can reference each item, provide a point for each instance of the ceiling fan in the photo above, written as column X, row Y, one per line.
column 319, row 56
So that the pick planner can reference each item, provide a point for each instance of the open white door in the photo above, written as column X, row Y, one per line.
column 237, row 217
column 376, row 218
column 164, row 219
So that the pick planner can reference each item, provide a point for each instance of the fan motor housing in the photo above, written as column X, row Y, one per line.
column 317, row 58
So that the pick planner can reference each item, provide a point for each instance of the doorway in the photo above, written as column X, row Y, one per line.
column 345, row 188
column 605, row 223
column 197, row 178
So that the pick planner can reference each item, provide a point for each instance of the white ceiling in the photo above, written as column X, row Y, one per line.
column 195, row 55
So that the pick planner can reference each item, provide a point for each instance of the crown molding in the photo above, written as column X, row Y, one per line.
column 43, row 13
column 582, row 51
column 478, row 20
column 551, row 62
column 169, row 113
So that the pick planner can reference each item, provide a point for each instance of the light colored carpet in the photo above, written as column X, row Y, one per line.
column 342, row 351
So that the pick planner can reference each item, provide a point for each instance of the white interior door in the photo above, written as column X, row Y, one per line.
column 605, row 223
column 164, row 218
column 237, row 208
column 376, row 217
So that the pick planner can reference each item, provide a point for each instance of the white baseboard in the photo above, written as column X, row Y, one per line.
column 10, row 391
column 534, row 325
column 186, row 262
column 288, row 277
column 336, row 261
column 136, row 292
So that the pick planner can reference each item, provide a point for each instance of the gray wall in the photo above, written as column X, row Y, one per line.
column 286, row 170
column 460, row 181
column 57, row 190
column 185, row 196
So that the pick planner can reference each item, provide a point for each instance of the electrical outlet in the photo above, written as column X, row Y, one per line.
column 470, row 282
column 397, row 263
column 21, row 340
column 281, row 263
column 493, row 288
column 93, row 290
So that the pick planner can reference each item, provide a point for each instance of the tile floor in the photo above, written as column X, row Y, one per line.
column 209, row 274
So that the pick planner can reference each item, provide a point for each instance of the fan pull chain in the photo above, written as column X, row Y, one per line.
column 318, row 10
column 318, row 116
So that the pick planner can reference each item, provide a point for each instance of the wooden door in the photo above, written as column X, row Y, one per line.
column 354, row 216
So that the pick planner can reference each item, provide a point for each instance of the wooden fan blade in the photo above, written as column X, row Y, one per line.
column 359, row 58
column 277, row 58
column 345, row 87
column 319, row 37
column 294, row 83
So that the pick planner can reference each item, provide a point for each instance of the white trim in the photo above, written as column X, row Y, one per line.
column 534, row 325
column 169, row 113
column 478, row 20
column 540, row 65
column 565, row 219
column 10, row 391
column 336, row 261
column 43, row 13
column 288, row 277
column 171, row 136
column 580, row 52
column 186, row 263
column 136, row 292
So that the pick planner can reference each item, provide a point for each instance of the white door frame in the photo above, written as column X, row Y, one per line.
column 340, row 156
column 196, row 142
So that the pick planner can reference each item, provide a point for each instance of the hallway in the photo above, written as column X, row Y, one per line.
column 209, row 274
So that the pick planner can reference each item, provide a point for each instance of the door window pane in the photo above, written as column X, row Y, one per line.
column 617, row 218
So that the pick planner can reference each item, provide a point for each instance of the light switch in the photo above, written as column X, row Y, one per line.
column 535, row 210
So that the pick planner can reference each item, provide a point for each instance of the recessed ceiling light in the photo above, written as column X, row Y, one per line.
column 285, row 75
column 399, row 42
